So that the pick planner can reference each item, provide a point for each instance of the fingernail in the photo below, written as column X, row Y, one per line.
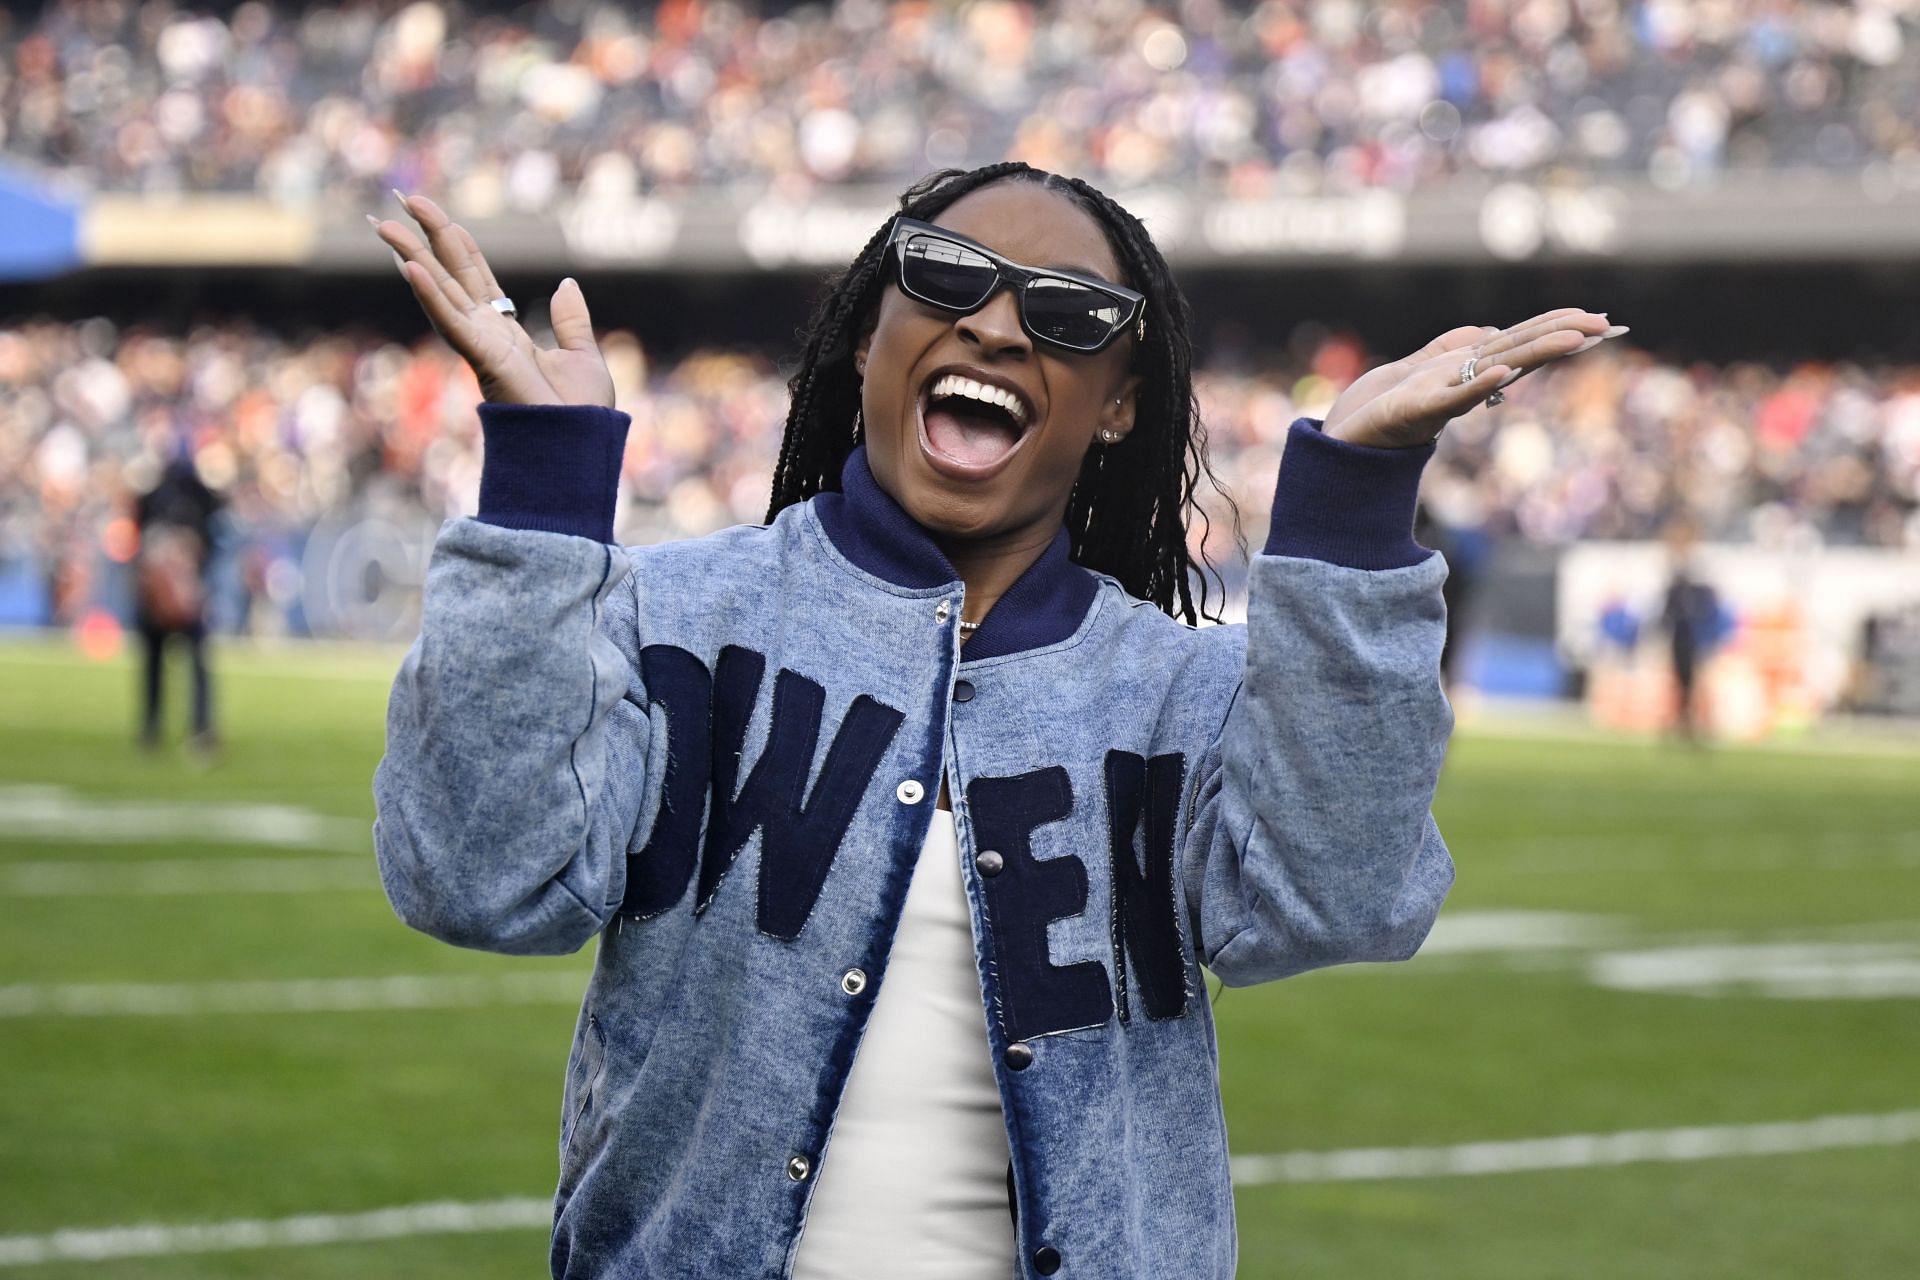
column 399, row 262
column 570, row 281
column 1615, row 331
column 372, row 221
column 401, row 197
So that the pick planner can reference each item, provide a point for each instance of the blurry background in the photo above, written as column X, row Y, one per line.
column 1694, row 940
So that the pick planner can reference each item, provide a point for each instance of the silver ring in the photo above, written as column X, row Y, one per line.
column 1466, row 370
column 505, row 307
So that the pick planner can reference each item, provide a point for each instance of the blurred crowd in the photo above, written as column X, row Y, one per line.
column 499, row 108
column 336, row 429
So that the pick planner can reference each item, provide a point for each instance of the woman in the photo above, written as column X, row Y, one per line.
column 919, row 769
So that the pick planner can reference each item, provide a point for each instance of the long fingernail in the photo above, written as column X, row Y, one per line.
column 373, row 222
column 401, row 197
column 1614, row 331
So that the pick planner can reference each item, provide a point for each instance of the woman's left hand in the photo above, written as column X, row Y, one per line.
column 1406, row 403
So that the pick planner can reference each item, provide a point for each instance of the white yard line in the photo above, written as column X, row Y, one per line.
column 142, row 877
column 148, row 1241
column 313, row 995
column 1582, row 1150
column 55, row 813
column 1572, row 1151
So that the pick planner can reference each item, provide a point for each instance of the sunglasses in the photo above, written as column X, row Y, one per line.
column 1065, row 309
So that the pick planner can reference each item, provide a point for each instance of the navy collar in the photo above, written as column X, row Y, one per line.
column 1044, row 606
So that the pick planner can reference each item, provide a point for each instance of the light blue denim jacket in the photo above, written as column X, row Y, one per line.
column 720, row 758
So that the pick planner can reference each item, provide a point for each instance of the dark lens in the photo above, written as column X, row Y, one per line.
column 1071, row 314
column 946, row 274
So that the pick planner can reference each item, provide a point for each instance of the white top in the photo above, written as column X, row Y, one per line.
column 913, row 1182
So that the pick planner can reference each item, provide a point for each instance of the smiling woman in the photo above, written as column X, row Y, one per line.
column 929, row 999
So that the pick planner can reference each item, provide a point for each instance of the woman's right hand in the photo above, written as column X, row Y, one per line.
column 455, row 287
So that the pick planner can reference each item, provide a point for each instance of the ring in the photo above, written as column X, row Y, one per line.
column 505, row 307
column 1466, row 370
column 1498, row 397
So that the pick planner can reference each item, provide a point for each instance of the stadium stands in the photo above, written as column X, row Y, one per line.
column 1605, row 448
column 509, row 110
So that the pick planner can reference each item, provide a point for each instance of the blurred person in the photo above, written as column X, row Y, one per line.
column 975, row 586
column 1691, row 615
column 175, row 520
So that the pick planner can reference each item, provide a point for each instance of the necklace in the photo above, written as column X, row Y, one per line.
column 968, row 628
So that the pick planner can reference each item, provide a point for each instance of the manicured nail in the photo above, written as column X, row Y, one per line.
column 570, row 281
column 1615, row 331
column 373, row 222
column 401, row 197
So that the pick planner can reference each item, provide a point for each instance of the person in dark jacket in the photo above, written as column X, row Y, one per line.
column 176, row 523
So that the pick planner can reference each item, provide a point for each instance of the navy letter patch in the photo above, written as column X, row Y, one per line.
column 1037, row 997
column 1146, row 916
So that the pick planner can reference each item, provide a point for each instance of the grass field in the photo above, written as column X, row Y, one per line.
column 1641, row 938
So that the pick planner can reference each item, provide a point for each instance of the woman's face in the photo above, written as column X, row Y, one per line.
column 967, row 476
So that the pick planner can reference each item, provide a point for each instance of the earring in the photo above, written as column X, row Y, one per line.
column 858, row 425
column 1109, row 436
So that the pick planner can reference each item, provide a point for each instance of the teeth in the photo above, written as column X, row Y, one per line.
column 955, row 385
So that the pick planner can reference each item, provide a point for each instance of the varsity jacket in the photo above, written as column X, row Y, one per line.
column 719, row 757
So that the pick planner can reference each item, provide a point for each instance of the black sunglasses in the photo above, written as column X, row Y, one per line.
column 1075, row 312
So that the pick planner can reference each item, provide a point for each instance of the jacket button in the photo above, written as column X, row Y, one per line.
column 1046, row 1259
column 963, row 691
column 910, row 792
column 853, row 981
column 798, row 1168
column 989, row 863
column 1018, row 1056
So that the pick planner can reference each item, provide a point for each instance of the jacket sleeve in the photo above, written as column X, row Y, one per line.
column 1312, row 840
column 516, row 731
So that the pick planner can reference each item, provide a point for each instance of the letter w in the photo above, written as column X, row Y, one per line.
column 798, row 841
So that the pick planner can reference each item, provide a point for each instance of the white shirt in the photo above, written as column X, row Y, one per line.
column 913, row 1181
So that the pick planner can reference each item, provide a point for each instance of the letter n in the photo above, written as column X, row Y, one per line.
column 1146, row 919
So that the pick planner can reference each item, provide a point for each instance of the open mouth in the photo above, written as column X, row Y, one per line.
column 972, row 426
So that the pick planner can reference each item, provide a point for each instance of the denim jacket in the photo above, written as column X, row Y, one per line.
column 720, row 758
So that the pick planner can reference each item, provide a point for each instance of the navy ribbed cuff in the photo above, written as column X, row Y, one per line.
column 553, row 467
column 1347, row 504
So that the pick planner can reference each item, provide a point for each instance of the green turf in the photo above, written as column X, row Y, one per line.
column 107, row 1121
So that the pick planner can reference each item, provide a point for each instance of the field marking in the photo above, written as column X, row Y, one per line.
column 1582, row 1150
column 141, row 877
column 1457, row 933
column 1775, row 971
column 56, row 813
column 308, row 995
column 154, row 1240
column 1365, row 1164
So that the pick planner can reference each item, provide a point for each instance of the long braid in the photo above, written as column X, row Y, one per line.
column 1127, row 515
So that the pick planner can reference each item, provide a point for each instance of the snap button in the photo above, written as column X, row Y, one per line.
column 942, row 611
column 963, row 691
column 1046, row 1259
column 989, row 863
column 910, row 792
column 853, row 981
column 1018, row 1055
column 798, row 1168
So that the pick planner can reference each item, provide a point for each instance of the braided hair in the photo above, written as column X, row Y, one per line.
column 1128, row 510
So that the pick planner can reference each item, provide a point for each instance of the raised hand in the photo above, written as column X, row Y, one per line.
column 455, row 287
column 1408, row 401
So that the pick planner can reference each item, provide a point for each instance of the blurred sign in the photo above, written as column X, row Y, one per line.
column 41, row 232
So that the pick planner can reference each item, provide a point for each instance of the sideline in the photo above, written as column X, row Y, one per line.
column 1572, row 1151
